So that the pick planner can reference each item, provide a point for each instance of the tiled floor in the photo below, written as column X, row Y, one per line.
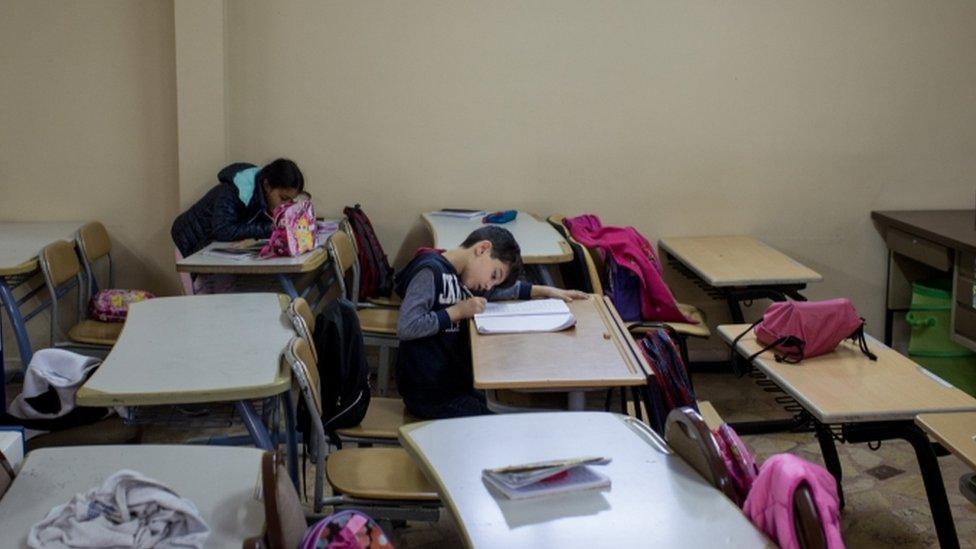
column 892, row 512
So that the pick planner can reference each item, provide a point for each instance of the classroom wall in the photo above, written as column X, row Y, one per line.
column 87, row 127
column 787, row 120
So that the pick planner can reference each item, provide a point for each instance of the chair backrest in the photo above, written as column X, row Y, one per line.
column 94, row 244
column 342, row 249
column 6, row 474
column 59, row 264
column 595, row 266
column 304, row 322
column 806, row 520
column 284, row 517
column 299, row 357
column 686, row 433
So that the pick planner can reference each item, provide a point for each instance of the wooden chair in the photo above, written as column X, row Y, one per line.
column 383, row 417
column 60, row 267
column 284, row 518
column 384, row 480
column 94, row 244
column 379, row 324
column 806, row 520
column 6, row 474
column 596, row 275
column 687, row 434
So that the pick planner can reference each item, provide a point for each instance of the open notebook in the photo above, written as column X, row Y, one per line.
column 537, row 315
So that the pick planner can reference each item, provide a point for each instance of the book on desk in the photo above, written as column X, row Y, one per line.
column 536, row 315
column 546, row 478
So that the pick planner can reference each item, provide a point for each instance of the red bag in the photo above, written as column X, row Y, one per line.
column 805, row 329
column 375, row 273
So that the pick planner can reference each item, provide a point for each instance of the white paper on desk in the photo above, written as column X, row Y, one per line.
column 540, row 315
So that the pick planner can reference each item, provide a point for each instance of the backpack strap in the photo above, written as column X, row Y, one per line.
column 862, row 343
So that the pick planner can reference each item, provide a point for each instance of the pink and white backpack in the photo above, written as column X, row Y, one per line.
column 738, row 460
column 292, row 230
column 113, row 305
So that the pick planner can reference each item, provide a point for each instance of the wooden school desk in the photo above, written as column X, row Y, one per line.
column 926, row 244
column 957, row 432
column 741, row 268
column 541, row 244
column 596, row 353
column 19, row 245
column 222, row 482
column 866, row 401
column 200, row 349
column 655, row 498
column 314, row 265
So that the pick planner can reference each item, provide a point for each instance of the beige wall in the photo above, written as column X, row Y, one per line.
column 88, row 126
column 787, row 120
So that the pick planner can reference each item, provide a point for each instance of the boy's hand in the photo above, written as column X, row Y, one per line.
column 565, row 295
column 467, row 308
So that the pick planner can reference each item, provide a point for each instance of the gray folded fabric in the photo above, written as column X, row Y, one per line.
column 128, row 510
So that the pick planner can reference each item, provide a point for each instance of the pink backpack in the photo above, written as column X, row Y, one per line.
column 805, row 329
column 292, row 230
column 113, row 305
column 346, row 530
column 738, row 460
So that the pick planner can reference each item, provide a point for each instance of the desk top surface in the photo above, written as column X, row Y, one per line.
column 204, row 263
column 655, row 498
column 597, row 352
column 225, row 495
column 952, row 228
column 957, row 432
column 846, row 386
column 539, row 241
column 202, row 348
column 21, row 242
column 737, row 261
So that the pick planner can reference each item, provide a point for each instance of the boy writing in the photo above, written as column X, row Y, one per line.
column 440, row 290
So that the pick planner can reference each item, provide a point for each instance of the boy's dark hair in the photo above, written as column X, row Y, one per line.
column 283, row 173
column 503, row 248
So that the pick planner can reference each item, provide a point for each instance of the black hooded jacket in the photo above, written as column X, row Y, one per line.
column 222, row 215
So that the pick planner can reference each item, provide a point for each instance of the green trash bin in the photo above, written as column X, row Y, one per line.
column 931, row 344
column 929, row 316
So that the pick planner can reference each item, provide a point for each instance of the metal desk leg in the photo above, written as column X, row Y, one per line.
column 829, row 450
column 577, row 401
column 255, row 427
column 928, row 464
column 287, row 285
column 18, row 326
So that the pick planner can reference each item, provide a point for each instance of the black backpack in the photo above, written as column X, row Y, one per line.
column 342, row 367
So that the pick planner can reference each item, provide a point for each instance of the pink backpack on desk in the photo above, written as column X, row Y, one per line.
column 805, row 329
column 292, row 230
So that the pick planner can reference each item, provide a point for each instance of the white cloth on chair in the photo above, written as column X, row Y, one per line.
column 54, row 370
column 128, row 510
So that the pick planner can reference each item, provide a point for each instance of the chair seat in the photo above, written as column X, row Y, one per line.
column 393, row 301
column 378, row 473
column 95, row 332
column 107, row 431
column 383, row 420
column 379, row 321
column 683, row 328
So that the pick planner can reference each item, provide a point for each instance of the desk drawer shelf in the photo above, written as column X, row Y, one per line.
column 919, row 249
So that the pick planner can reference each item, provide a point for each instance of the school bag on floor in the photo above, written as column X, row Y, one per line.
column 805, row 329
column 293, row 228
column 375, row 273
column 113, row 305
column 342, row 368
column 346, row 530
column 671, row 386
